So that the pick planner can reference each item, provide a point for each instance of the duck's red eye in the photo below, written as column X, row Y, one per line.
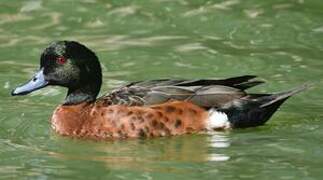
column 61, row 60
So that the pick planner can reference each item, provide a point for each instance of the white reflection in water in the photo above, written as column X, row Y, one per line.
column 186, row 65
column 95, row 24
column 218, row 140
column 253, row 13
column 319, row 29
column 89, row 1
column 190, row 47
column 31, row 6
column 124, row 11
column 266, row 25
column 218, row 157
column 6, row 85
column 235, row 46
column 225, row 5
column 282, row 6
column 194, row 12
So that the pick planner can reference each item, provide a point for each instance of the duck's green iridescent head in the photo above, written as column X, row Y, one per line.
column 68, row 64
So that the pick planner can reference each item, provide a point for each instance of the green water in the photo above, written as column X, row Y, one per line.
column 279, row 40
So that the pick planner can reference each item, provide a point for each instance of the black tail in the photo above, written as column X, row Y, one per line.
column 256, row 110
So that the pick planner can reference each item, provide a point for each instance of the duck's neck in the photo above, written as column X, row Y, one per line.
column 85, row 93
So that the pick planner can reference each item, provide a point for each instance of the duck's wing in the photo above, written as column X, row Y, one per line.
column 240, row 82
column 205, row 93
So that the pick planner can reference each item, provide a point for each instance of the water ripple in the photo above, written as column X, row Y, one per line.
column 124, row 11
column 31, row 6
column 53, row 19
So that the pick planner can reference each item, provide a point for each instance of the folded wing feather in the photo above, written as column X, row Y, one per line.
column 204, row 93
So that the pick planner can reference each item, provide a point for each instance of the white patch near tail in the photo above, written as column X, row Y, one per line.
column 217, row 120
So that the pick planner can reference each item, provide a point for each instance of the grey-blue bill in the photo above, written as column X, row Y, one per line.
column 37, row 82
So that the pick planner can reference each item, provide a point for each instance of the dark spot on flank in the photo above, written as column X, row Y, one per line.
column 170, row 109
column 161, row 125
column 142, row 133
column 149, row 116
column 189, row 129
column 107, row 134
column 138, row 118
column 132, row 125
column 122, row 135
column 160, row 114
column 154, row 123
column 102, row 114
column 167, row 131
column 166, row 119
column 133, row 118
column 122, row 126
column 141, row 120
column 178, row 123
column 110, row 111
column 180, row 111
column 94, row 113
column 129, row 113
column 78, row 131
column 106, row 103
column 192, row 111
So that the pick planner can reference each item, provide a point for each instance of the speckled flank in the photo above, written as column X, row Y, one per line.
column 117, row 121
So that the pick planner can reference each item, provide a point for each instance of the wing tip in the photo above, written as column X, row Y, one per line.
column 286, row 94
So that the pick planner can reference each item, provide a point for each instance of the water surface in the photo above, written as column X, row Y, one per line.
column 278, row 40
